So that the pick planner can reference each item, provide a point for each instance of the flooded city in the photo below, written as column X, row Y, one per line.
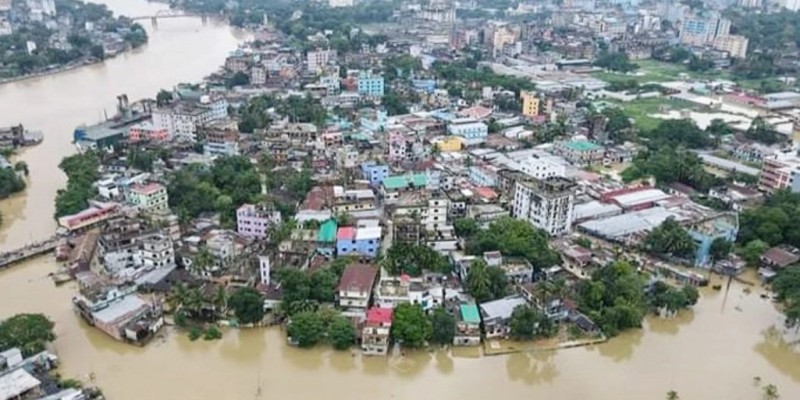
column 713, row 351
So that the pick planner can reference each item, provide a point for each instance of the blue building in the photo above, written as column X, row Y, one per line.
column 425, row 85
column 362, row 241
column 473, row 132
column 482, row 176
column 723, row 226
column 374, row 173
column 370, row 85
column 375, row 122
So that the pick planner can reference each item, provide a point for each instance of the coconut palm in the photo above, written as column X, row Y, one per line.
column 220, row 300
column 672, row 395
column 478, row 281
column 178, row 296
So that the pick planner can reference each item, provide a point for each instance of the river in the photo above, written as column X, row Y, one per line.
column 711, row 352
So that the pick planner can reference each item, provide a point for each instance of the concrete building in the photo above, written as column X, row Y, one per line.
column 370, row 85
column 317, row 59
column 530, row 103
column 580, row 152
column 468, row 326
column 258, row 75
column 375, row 335
column 182, row 118
column 355, row 289
column 472, row 131
column 361, row 241
column 780, row 171
column 255, row 221
column 750, row 3
column 703, row 28
column 220, row 137
column 151, row 197
column 496, row 315
column 735, row 45
column 547, row 204
column 374, row 173
column 791, row 5
column 264, row 269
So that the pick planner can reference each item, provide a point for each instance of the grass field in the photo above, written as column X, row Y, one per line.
column 642, row 109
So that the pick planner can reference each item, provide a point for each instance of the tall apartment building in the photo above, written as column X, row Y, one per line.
column 316, row 59
column 151, row 197
column 780, row 171
column 255, row 221
column 703, row 28
column 182, row 118
column 735, row 45
column 219, row 137
column 370, row 84
column 547, row 204
column 530, row 103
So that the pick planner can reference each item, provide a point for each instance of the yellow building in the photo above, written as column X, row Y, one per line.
column 530, row 104
column 449, row 144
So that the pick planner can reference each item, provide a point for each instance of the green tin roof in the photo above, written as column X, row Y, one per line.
column 403, row 181
column 327, row 231
column 582, row 145
column 469, row 314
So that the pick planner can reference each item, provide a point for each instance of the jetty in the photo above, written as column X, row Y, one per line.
column 29, row 251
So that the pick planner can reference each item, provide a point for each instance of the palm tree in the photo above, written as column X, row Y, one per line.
column 203, row 260
column 771, row 392
column 672, row 395
column 178, row 296
column 220, row 300
column 478, row 282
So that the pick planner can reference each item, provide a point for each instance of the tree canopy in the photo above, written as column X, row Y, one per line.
column 248, row 305
column 669, row 165
column 786, row 286
column 28, row 332
column 670, row 238
column 615, row 61
column 776, row 221
column 515, row 238
column 486, row 283
column 82, row 171
column 444, row 326
column 613, row 298
column 307, row 328
column 413, row 259
column 528, row 323
column 410, row 326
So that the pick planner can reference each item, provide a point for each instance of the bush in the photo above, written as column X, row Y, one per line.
column 194, row 333
column 212, row 333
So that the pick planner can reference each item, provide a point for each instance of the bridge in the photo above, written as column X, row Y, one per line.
column 29, row 251
column 170, row 13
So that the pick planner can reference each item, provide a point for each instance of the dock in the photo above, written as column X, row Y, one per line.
column 29, row 251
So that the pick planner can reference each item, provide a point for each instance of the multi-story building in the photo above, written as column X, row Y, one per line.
column 237, row 63
column 735, row 45
column 530, row 103
column 791, row 5
column 316, row 60
column 703, row 28
column 375, row 335
column 496, row 315
column 258, row 75
column 361, row 241
column 220, row 137
column 156, row 251
column 780, row 171
column 355, row 289
column 468, row 326
column 151, row 197
column 182, row 117
column 473, row 132
column 547, row 204
column 332, row 84
column 374, row 173
column 147, row 131
column 580, row 152
column 483, row 175
column 255, row 221
column 392, row 291
column 370, row 85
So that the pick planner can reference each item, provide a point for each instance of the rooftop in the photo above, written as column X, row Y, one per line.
column 582, row 145
column 149, row 188
column 377, row 315
column 501, row 308
column 404, row 181
column 327, row 231
column 470, row 314
column 115, row 311
column 346, row 233
column 358, row 277
column 16, row 383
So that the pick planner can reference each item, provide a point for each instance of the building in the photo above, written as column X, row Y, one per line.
column 392, row 291
column 530, row 103
column 496, row 315
column 580, row 152
column 156, row 250
column 220, row 137
column 547, row 204
column 264, row 269
column 374, row 173
column 151, row 197
column 703, row 28
column 791, row 5
column 468, row 326
column 326, row 238
column 750, row 3
column 473, row 132
column 370, row 85
column 735, row 45
column 449, row 144
column 316, row 60
column 780, row 171
column 147, row 131
column 355, row 289
column 341, row 3
column 182, row 117
column 361, row 241
column 375, row 335
column 94, row 215
column 256, row 221
column 258, row 75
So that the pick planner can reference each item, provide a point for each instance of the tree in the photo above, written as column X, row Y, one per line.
column 466, row 227
column 615, row 61
column 720, row 248
column 323, row 285
column 28, row 332
column 753, row 250
column 771, row 392
column 97, row 52
column 662, row 295
column 528, row 323
column 763, row 132
column 672, row 395
column 163, row 98
column 413, row 259
column 670, row 238
column 719, row 128
column 238, row 79
column 515, row 238
column 613, row 298
column 341, row 333
column 247, row 305
column 486, row 283
column 444, row 326
column 410, row 326
column 306, row 328
column 22, row 167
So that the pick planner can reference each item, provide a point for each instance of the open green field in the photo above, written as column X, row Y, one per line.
column 658, row 71
column 642, row 109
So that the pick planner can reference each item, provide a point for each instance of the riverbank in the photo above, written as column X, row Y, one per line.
column 54, row 71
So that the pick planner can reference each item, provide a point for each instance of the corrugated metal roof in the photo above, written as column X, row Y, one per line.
column 470, row 314
column 327, row 231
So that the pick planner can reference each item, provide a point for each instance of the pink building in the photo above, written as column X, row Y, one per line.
column 147, row 131
column 254, row 221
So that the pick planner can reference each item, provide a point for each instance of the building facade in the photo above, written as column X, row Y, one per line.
column 254, row 221
column 149, row 198
column 547, row 204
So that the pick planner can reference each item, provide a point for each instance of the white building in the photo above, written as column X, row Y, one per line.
column 735, row 45
column 547, row 204
column 791, row 5
column 181, row 119
column 316, row 59
column 341, row 3
column 264, row 269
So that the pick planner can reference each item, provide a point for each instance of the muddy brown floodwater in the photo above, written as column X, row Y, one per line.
column 710, row 353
